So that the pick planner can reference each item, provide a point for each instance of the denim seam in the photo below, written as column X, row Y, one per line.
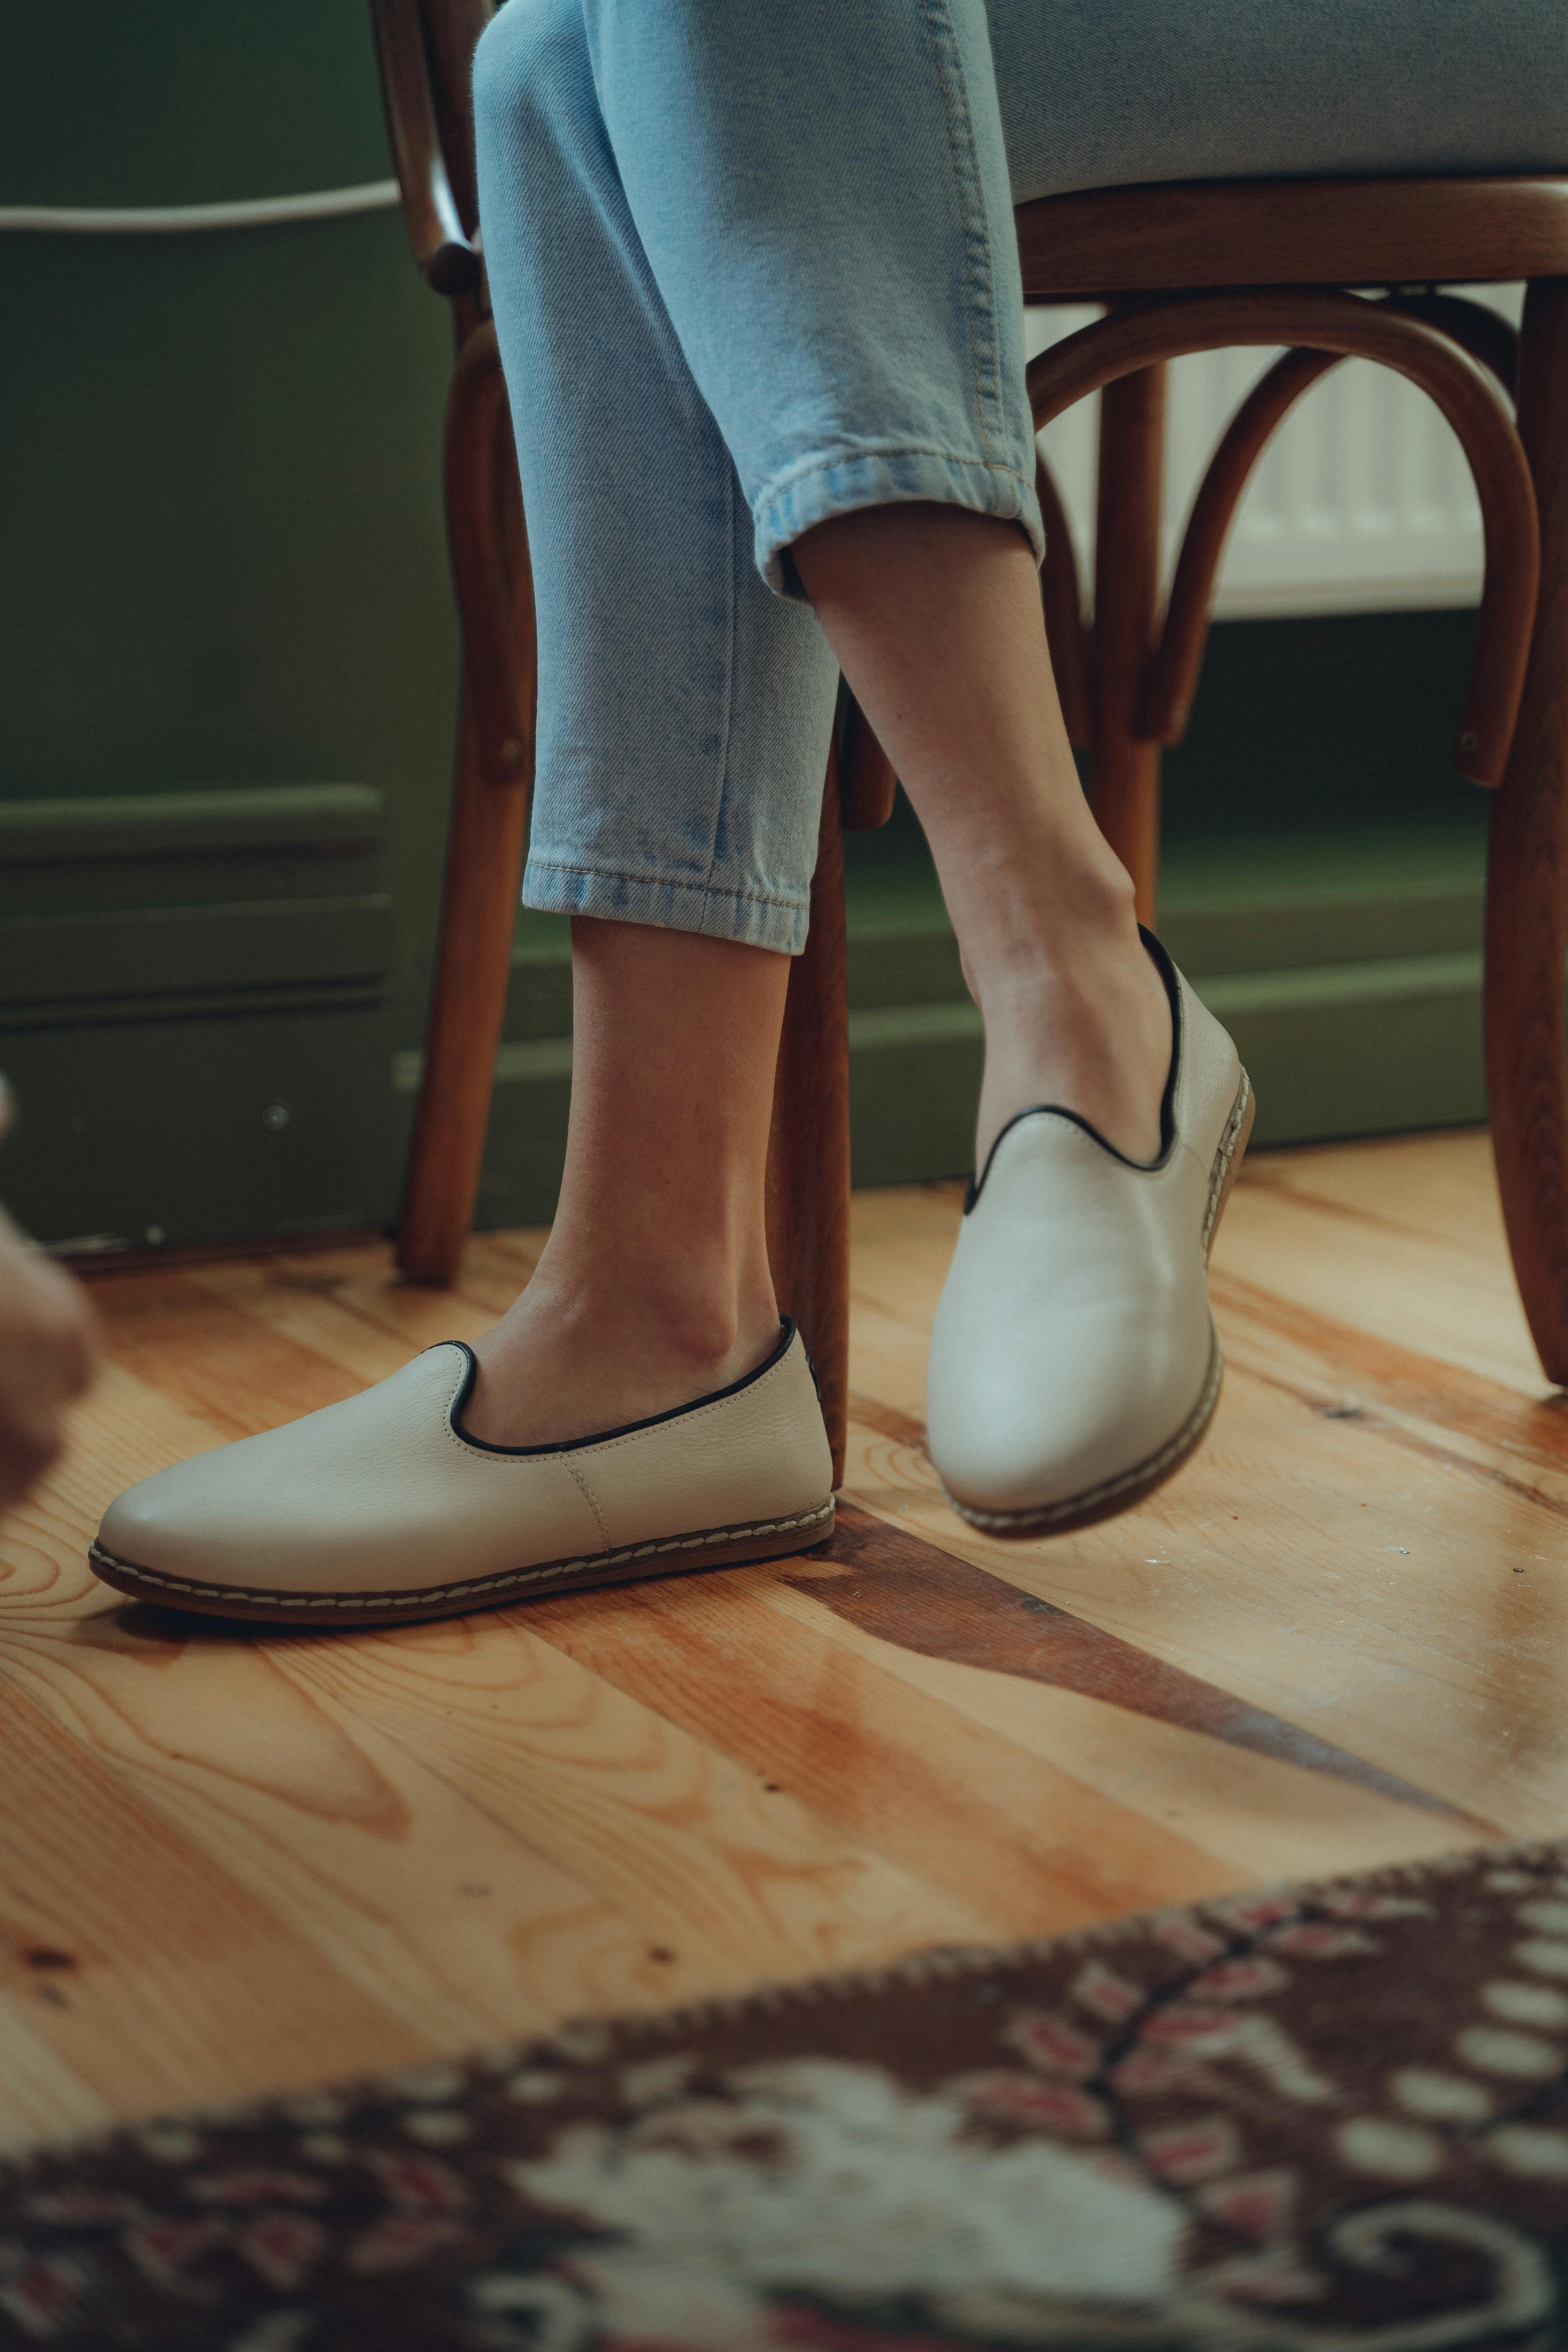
column 772, row 492
column 965, row 176
column 729, row 691
column 666, row 882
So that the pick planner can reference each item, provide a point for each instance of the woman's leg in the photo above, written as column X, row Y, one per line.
column 684, row 721
column 736, row 298
column 704, row 260
column 684, row 712
column 935, row 616
column 824, row 201
column 818, row 217
column 653, row 1288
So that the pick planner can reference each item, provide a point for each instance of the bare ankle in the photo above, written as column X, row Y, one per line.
column 711, row 1340
column 1088, row 1032
column 1065, row 936
column 648, row 1309
column 591, row 1348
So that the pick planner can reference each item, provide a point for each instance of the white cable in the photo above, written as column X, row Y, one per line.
column 142, row 220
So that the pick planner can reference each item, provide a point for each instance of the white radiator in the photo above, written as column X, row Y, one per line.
column 1362, row 501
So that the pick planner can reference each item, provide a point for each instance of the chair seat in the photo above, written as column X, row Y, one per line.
column 1367, row 232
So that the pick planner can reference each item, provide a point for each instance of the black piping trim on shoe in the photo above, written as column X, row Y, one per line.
column 627, row 1429
column 1167, row 971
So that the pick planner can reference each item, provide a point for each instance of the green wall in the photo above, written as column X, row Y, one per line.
column 227, row 681
column 185, row 102
column 224, row 564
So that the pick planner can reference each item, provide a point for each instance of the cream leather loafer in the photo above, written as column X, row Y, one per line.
column 383, row 1509
column 1074, row 1362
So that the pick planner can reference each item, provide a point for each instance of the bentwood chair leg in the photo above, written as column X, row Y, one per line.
column 1527, row 876
column 808, row 1152
column 1126, row 771
column 473, row 965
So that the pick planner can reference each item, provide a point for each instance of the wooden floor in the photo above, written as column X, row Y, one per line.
column 1341, row 1636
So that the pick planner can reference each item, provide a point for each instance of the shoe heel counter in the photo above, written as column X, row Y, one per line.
column 757, row 1455
column 803, row 1425
column 1208, row 1078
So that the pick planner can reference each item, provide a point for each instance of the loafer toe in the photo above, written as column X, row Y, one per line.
column 383, row 1509
column 1031, row 1436
column 1074, row 1361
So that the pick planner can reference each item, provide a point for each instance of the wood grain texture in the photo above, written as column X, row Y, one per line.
column 445, row 257
column 230, row 1861
column 1286, row 255
column 451, row 29
column 808, row 1149
column 907, row 1592
column 1125, row 788
column 1009, row 1838
column 491, row 572
column 479, row 915
column 1172, row 675
column 1527, row 876
column 492, row 795
column 1061, row 598
column 1123, row 351
column 206, row 1952
column 1375, row 232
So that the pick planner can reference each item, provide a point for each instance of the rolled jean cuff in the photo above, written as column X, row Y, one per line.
column 718, row 913
column 811, row 493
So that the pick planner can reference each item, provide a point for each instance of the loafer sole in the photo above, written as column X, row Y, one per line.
column 731, row 1547
column 1116, row 1495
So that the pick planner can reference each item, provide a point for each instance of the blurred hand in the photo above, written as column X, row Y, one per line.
column 48, row 1353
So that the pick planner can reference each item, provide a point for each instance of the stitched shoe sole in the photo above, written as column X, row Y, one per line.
column 671, row 1555
column 1227, row 1159
column 1130, row 1486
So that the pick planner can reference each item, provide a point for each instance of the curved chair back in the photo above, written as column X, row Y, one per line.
column 426, row 51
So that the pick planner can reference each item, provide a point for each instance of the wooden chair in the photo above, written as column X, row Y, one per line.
column 1194, row 266
column 1182, row 268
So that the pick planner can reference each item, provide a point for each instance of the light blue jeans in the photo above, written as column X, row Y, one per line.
column 752, row 265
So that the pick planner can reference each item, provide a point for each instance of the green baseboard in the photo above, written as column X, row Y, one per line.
column 170, row 1132
column 197, row 988
column 527, row 1140
column 195, row 1016
column 1347, row 966
column 77, row 830
column 1359, row 1049
column 194, row 995
column 186, row 962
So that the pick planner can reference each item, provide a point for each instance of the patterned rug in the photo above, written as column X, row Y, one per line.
column 1330, row 2117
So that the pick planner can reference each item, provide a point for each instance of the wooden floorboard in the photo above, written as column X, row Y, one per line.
column 229, row 1863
